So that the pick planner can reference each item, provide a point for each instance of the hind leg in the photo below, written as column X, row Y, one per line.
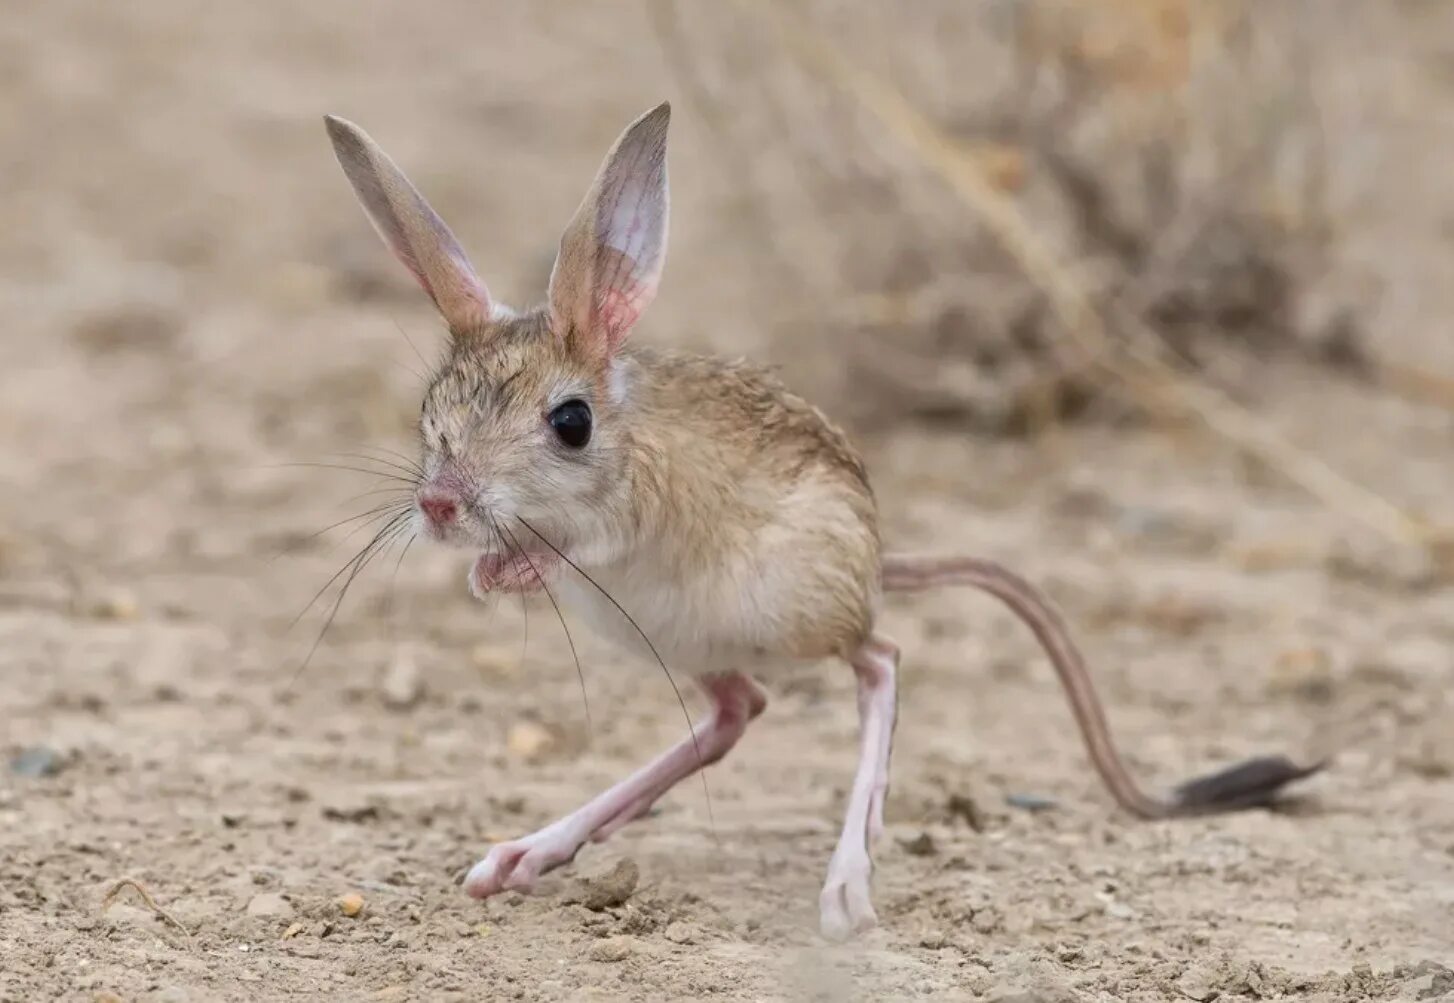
column 845, row 904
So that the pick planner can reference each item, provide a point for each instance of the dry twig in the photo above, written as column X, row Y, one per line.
column 146, row 897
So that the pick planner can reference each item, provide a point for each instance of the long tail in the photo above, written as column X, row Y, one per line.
column 1247, row 784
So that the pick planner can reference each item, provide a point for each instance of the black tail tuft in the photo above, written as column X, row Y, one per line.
column 1253, row 783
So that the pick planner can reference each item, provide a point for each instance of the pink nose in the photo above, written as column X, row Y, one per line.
column 438, row 509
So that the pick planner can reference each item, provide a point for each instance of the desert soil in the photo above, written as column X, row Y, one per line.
column 191, row 302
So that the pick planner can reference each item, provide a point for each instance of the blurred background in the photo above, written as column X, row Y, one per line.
column 1145, row 298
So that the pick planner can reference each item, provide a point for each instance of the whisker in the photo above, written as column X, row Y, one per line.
column 580, row 673
column 424, row 362
column 342, row 466
column 393, row 581
column 400, row 496
column 340, row 572
column 524, row 611
column 394, row 586
column 368, row 451
column 386, row 463
column 403, row 509
column 376, row 491
column 371, row 515
column 376, row 512
column 409, row 369
column 409, row 461
column 392, row 614
column 381, row 541
column 413, row 474
column 691, row 729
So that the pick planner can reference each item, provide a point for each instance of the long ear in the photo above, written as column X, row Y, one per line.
column 410, row 228
column 612, row 253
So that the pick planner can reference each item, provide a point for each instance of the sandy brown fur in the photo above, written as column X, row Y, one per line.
column 704, row 469
column 763, row 473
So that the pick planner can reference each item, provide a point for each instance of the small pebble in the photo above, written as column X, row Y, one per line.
column 934, row 940
column 680, row 932
column 402, row 686
column 351, row 904
column 37, row 761
column 528, row 740
column 1306, row 673
column 1030, row 802
column 613, row 949
column 1120, row 910
column 114, row 605
column 292, row 931
column 494, row 662
column 921, row 845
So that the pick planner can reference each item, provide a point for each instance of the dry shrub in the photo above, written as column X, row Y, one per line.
column 1171, row 152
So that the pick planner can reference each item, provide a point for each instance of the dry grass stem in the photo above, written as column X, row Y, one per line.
column 1154, row 381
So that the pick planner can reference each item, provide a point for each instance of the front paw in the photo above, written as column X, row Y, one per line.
column 500, row 870
column 515, row 865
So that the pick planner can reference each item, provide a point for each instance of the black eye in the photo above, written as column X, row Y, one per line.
column 572, row 422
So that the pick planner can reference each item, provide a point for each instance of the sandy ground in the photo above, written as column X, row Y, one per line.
column 190, row 301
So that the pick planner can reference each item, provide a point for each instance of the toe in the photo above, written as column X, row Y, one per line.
column 846, row 905
column 833, row 919
column 522, row 877
column 491, row 875
column 480, row 881
column 860, row 910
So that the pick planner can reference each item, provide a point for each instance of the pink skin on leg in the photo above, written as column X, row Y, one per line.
column 736, row 700
column 845, row 905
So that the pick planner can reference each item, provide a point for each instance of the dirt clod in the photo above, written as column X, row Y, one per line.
column 351, row 811
column 962, row 806
column 611, row 889
column 922, row 845
column 613, row 949
column 681, row 932
column 1201, row 982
